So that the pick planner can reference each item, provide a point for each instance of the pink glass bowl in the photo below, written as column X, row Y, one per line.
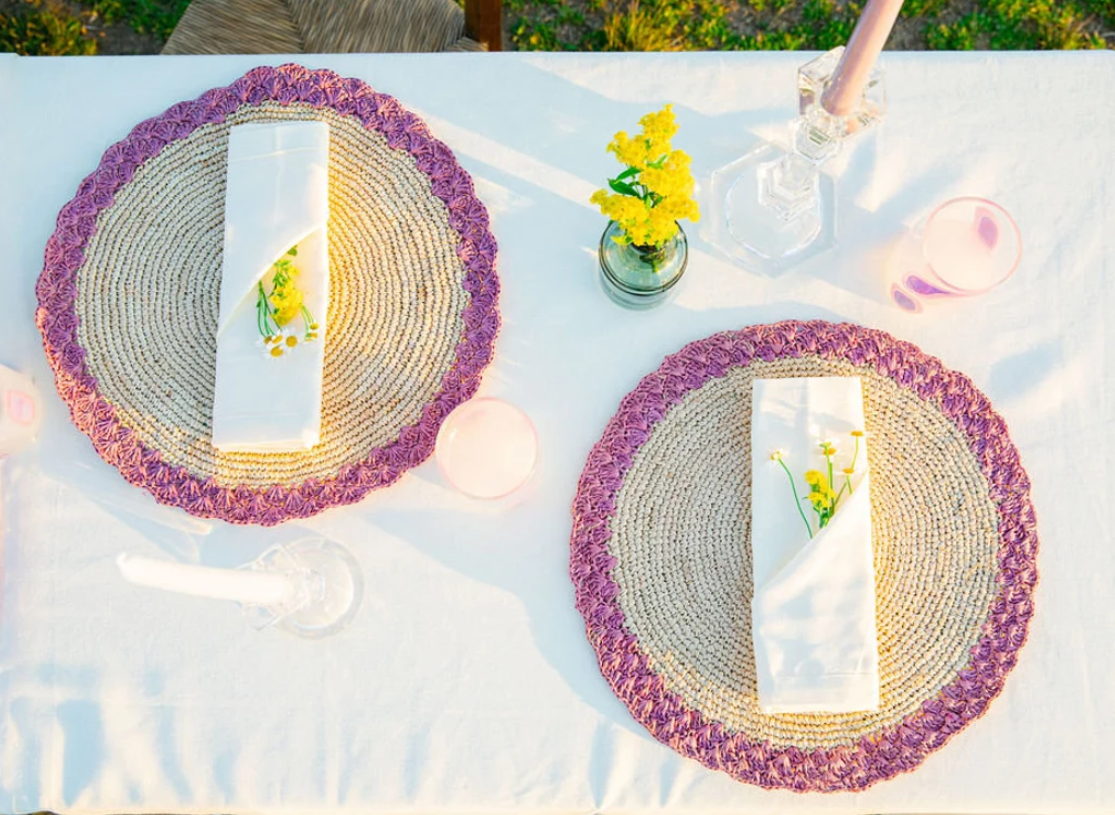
column 487, row 448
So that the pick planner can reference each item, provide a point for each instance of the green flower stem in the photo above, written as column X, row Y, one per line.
column 793, row 489
column 852, row 466
column 307, row 320
column 263, row 313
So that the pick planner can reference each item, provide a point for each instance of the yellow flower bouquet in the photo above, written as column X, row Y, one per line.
column 655, row 190
column 644, row 250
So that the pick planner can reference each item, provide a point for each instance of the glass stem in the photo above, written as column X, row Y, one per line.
column 793, row 175
column 790, row 186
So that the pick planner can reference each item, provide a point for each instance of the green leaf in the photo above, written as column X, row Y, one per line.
column 621, row 188
column 630, row 171
column 293, row 251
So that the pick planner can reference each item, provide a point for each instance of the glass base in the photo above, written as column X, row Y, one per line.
column 330, row 588
column 757, row 235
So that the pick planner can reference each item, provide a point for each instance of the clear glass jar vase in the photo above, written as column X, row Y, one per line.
column 641, row 277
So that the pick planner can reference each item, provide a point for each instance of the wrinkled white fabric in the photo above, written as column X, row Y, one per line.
column 465, row 683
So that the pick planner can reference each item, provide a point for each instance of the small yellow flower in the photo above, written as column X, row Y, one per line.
column 632, row 152
column 660, row 127
column 672, row 179
column 777, row 455
column 287, row 301
column 849, row 470
column 814, row 478
column 277, row 351
column 858, row 434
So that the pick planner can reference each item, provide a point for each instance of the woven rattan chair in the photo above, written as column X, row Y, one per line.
column 335, row 26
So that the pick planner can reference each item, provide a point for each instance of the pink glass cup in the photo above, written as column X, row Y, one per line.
column 21, row 410
column 967, row 246
column 487, row 448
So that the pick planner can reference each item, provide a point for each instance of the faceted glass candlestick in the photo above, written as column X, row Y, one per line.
column 773, row 208
column 813, row 79
column 327, row 588
column 766, row 225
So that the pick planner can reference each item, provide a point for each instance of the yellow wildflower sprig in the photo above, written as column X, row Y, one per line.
column 275, row 311
column 655, row 190
column 823, row 496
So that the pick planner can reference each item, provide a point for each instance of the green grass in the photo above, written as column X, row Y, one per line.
column 1014, row 24
column 44, row 31
column 56, row 28
column 608, row 25
column 158, row 17
column 52, row 27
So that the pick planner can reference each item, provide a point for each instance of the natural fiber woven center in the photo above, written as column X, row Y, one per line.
column 661, row 560
column 147, row 300
column 680, row 536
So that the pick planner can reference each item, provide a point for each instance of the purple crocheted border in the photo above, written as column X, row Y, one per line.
column 144, row 466
column 889, row 751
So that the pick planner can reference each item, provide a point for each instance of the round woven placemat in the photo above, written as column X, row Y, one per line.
column 128, row 299
column 661, row 556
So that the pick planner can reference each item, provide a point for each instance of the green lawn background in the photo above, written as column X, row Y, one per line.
column 57, row 27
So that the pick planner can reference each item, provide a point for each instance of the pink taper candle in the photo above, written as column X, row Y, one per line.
column 845, row 89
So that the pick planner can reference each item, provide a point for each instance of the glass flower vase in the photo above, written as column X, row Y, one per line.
column 641, row 277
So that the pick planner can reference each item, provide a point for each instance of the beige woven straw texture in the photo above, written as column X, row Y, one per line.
column 148, row 300
column 681, row 540
column 320, row 27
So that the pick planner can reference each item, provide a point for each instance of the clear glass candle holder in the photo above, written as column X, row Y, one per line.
column 327, row 588
column 310, row 588
column 487, row 448
column 773, row 208
column 965, row 247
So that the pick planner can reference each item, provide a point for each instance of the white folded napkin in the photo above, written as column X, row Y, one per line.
column 277, row 198
column 813, row 615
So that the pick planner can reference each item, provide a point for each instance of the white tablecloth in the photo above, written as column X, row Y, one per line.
column 466, row 683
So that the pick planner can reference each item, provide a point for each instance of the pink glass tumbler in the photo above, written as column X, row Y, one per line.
column 967, row 246
column 21, row 411
column 487, row 448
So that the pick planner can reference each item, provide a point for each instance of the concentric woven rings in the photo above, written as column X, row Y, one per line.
column 661, row 556
column 128, row 299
